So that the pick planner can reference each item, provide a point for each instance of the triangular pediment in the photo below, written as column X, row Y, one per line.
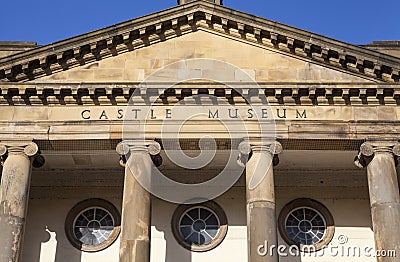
column 131, row 50
column 259, row 63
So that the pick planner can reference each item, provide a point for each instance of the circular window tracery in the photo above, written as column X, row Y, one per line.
column 92, row 225
column 199, row 227
column 307, row 224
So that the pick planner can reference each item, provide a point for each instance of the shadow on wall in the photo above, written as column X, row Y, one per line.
column 49, row 251
column 48, row 248
column 45, row 239
column 173, row 251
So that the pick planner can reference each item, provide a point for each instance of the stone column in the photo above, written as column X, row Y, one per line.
column 379, row 158
column 136, row 205
column 260, row 194
column 14, row 195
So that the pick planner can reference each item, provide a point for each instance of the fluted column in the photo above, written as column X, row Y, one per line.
column 379, row 159
column 136, row 205
column 14, row 195
column 260, row 194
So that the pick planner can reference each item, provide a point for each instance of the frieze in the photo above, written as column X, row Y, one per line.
column 220, row 113
column 206, row 113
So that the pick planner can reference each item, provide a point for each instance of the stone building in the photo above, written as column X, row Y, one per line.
column 88, row 124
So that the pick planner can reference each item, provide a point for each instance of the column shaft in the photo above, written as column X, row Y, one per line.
column 14, row 195
column 385, row 203
column 136, row 210
column 261, row 221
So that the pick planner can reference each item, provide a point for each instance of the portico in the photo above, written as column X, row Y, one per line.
column 281, row 178
column 282, row 186
column 333, row 135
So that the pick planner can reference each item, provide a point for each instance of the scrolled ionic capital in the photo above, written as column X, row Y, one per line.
column 272, row 147
column 370, row 148
column 28, row 148
column 249, row 147
column 150, row 147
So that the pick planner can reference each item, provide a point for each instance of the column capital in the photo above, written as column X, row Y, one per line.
column 273, row 147
column 371, row 147
column 28, row 148
column 148, row 146
column 270, row 146
column 376, row 146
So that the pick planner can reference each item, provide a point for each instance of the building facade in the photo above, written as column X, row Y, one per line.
column 199, row 133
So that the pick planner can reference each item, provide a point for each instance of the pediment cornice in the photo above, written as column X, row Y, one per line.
column 161, row 26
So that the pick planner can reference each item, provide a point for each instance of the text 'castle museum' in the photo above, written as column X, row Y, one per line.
column 199, row 133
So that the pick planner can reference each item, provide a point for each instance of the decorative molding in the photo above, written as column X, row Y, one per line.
column 153, row 28
column 53, row 93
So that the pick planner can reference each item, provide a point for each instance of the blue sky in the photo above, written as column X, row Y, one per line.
column 352, row 21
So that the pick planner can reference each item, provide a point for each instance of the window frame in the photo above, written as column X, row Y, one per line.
column 215, row 209
column 85, row 205
column 320, row 209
